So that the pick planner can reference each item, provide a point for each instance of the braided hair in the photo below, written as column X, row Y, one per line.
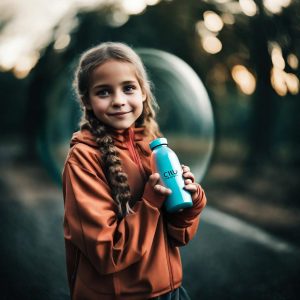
column 94, row 57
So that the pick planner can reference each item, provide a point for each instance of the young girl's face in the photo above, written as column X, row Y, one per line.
column 115, row 95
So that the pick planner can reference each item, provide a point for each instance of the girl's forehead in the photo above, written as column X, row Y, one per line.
column 114, row 71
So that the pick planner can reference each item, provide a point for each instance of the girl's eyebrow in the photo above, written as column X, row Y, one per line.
column 101, row 86
column 108, row 85
column 129, row 82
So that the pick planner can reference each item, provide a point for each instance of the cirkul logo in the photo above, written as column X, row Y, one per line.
column 170, row 174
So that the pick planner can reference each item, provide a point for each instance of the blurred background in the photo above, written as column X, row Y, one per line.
column 246, row 54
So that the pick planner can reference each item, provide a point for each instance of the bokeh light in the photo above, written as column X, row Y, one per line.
column 284, row 82
column 248, row 7
column 211, row 44
column 228, row 18
column 293, row 61
column 212, row 21
column 278, row 81
column 244, row 79
column 276, row 6
column 62, row 42
column 133, row 7
column 24, row 65
column 276, row 56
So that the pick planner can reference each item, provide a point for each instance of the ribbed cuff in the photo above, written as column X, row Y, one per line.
column 186, row 217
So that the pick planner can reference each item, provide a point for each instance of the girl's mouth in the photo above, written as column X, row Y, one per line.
column 121, row 113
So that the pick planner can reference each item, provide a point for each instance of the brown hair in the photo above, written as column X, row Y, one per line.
column 89, row 60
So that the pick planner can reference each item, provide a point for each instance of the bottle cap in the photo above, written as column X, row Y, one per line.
column 158, row 142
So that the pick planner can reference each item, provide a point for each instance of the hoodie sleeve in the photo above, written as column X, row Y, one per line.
column 182, row 226
column 91, row 224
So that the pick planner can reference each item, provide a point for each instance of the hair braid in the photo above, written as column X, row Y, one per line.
column 117, row 178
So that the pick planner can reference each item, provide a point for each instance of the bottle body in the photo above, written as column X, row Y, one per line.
column 165, row 162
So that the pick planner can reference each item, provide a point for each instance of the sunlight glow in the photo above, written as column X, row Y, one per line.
column 211, row 44
column 30, row 29
column 10, row 51
column 29, row 26
column 212, row 21
column 244, row 79
column 248, row 7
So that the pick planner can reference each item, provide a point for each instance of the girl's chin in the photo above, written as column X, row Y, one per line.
column 121, row 125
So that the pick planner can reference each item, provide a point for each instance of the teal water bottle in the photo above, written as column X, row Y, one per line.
column 165, row 162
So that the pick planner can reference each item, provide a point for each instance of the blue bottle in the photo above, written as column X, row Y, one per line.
column 165, row 162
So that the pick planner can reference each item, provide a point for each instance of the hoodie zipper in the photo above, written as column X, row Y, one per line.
column 137, row 160
column 134, row 154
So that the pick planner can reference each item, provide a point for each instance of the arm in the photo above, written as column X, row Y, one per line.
column 182, row 226
column 90, row 221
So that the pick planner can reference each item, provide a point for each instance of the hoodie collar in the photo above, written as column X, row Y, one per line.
column 121, row 137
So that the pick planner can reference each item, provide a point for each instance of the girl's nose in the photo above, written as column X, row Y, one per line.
column 118, row 100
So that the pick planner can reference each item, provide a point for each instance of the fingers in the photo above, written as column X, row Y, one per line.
column 154, row 181
column 162, row 190
column 192, row 187
column 189, row 180
column 187, row 175
column 185, row 168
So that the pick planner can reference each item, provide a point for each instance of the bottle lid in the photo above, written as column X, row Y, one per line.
column 158, row 142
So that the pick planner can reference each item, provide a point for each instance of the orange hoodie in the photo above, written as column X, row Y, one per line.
column 135, row 258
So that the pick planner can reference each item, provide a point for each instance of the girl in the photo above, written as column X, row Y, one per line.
column 120, row 244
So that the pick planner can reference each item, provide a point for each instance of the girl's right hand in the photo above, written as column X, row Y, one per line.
column 155, row 182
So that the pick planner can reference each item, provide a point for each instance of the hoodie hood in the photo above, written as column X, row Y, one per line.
column 83, row 136
column 121, row 137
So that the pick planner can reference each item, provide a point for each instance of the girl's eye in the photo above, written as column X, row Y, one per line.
column 129, row 88
column 103, row 93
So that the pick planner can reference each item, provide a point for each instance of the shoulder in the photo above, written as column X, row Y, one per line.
column 85, row 157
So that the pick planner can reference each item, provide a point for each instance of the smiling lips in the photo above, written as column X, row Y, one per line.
column 121, row 113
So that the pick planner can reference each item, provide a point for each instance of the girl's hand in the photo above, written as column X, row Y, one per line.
column 189, row 181
column 154, row 181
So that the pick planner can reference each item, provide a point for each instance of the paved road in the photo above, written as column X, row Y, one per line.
column 228, row 259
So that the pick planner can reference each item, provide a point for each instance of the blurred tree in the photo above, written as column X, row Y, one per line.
column 246, row 52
